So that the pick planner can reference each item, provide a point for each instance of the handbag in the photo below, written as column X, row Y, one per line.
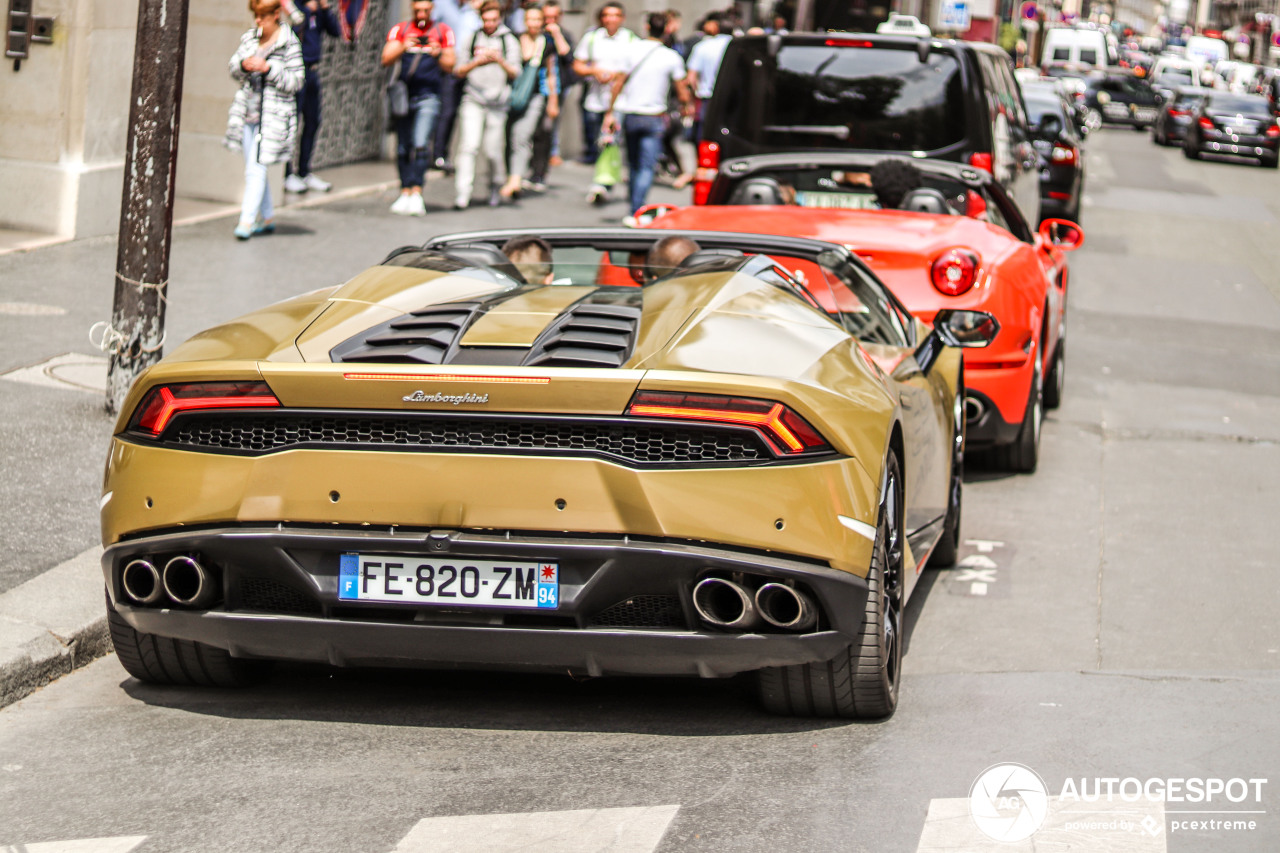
column 608, row 165
column 398, row 89
column 526, row 84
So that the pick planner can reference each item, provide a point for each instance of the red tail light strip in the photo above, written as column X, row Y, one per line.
column 785, row 432
column 449, row 377
column 161, row 404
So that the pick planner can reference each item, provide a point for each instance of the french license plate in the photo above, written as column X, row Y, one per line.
column 398, row 579
column 845, row 201
column 1145, row 115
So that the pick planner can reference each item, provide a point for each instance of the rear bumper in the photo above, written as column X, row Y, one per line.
column 988, row 428
column 279, row 600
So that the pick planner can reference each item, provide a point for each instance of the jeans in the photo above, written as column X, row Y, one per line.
column 481, row 129
column 309, row 112
column 450, row 102
column 591, row 123
column 257, row 194
column 413, row 133
column 644, row 146
column 522, row 131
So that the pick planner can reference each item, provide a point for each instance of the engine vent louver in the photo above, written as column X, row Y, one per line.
column 423, row 337
column 599, row 331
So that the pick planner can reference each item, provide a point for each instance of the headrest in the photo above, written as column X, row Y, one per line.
column 483, row 255
column 706, row 256
column 757, row 191
column 925, row 200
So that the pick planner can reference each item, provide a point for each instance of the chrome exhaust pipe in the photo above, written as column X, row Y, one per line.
column 974, row 409
column 724, row 604
column 188, row 583
column 783, row 606
column 141, row 582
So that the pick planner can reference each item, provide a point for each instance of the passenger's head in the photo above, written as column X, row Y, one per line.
column 532, row 256
column 892, row 179
column 666, row 254
column 657, row 24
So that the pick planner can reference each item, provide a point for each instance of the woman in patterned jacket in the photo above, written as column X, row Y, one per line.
column 264, row 115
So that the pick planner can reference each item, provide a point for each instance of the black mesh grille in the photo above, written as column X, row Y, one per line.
column 642, row 611
column 638, row 443
column 273, row 597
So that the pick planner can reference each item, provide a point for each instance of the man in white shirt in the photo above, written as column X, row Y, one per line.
column 597, row 59
column 704, row 65
column 640, row 96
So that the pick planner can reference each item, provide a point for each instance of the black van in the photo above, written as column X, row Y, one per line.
column 940, row 98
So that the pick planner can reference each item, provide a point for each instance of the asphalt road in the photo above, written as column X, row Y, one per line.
column 1114, row 618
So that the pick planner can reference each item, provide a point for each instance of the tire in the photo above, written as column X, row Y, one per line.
column 1160, row 139
column 1023, row 453
column 1093, row 120
column 862, row 681
column 1272, row 163
column 1141, row 128
column 162, row 660
column 1053, row 383
column 948, row 548
column 1190, row 153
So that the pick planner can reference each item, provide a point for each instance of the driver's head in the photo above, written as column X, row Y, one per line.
column 892, row 179
column 532, row 256
column 666, row 254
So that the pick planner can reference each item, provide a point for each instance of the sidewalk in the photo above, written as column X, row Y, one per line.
column 53, row 427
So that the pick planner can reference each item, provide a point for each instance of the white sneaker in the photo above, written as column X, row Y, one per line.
column 630, row 222
column 317, row 183
column 461, row 202
column 294, row 184
column 416, row 206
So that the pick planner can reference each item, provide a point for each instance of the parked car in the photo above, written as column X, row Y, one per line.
column 1236, row 125
column 948, row 100
column 1175, row 115
column 1173, row 72
column 1062, row 152
column 1061, row 88
column 457, row 460
column 956, row 241
column 1083, row 45
column 1118, row 97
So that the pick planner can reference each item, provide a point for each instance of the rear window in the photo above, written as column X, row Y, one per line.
column 835, row 96
column 1038, row 108
column 1249, row 105
column 1088, row 56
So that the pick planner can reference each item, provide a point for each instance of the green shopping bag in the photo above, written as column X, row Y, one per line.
column 609, row 166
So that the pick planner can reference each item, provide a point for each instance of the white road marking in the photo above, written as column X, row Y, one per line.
column 976, row 575
column 623, row 830
column 977, row 588
column 978, row 561
column 67, row 372
column 984, row 546
column 122, row 844
column 1099, row 827
column 31, row 309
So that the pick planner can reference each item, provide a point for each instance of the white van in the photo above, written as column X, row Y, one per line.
column 1079, row 45
column 1205, row 50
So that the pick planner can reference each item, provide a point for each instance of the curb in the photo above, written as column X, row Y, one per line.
column 51, row 625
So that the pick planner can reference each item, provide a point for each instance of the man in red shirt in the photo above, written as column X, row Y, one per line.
column 425, row 51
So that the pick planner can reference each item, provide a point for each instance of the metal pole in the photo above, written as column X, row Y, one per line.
column 136, row 333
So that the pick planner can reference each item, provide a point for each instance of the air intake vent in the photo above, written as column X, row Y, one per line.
column 423, row 337
column 599, row 331
column 271, row 596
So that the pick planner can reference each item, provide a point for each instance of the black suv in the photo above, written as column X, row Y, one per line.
column 937, row 98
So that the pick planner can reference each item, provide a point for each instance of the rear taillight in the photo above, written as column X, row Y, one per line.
column 848, row 43
column 1273, row 131
column 1178, row 113
column 1064, row 155
column 1206, row 122
column 708, row 168
column 786, row 433
column 981, row 160
column 954, row 272
column 162, row 403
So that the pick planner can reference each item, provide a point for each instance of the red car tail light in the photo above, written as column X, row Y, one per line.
column 1273, row 131
column 981, row 160
column 1064, row 155
column 1206, row 122
column 708, row 168
column 163, row 402
column 1178, row 113
column 786, row 433
column 848, row 43
column 954, row 272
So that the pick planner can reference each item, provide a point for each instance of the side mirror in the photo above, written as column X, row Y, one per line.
column 955, row 328
column 1062, row 234
column 648, row 213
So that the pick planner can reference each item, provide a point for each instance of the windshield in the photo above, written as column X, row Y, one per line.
column 838, row 96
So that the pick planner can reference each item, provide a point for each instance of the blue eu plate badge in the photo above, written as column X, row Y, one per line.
column 548, row 585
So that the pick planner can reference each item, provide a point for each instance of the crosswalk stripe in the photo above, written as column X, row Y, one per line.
column 1099, row 827
column 619, row 830
column 120, row 844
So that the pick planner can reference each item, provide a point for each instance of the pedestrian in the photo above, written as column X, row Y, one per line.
column 425, row 50
column 488, row 61
column 463, row 17
column 704, row 66
column 598, row 58
column 532, row 119
column 553, row 13
column 317, row 20
column 263, row 119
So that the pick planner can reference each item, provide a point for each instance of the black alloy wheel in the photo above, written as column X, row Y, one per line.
column 862, row 681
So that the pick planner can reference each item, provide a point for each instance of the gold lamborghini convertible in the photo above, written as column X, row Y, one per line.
column 579, row 454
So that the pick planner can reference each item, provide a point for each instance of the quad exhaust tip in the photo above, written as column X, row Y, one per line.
column 725, row 604
column 189, row 583
column 141, row 582
column 783, row 606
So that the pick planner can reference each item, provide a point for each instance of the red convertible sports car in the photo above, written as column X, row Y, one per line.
column 957, row 241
